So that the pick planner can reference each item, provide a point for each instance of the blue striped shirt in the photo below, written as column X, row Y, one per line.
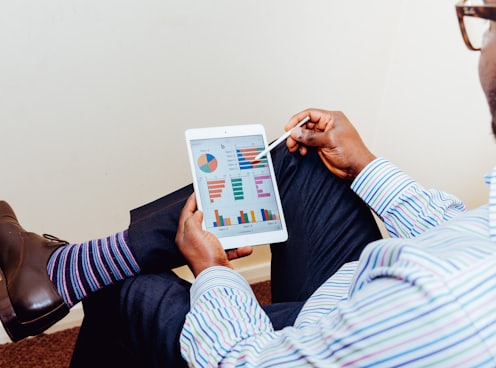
column 424, row 297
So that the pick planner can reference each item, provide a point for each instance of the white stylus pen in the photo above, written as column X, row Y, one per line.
column 280, row 139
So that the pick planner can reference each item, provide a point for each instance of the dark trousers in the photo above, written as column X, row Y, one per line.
column 138, row 321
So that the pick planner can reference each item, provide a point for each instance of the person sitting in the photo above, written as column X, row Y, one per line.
column 342, row 296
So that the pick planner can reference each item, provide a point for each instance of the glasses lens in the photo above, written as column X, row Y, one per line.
column 475, row 28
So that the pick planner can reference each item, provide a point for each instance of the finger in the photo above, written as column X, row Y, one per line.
column 192, row 224
column 244, row 251
column 198, row 217
column 310, row 137
column 189, row 207
column 191, row 203
column 303, row 150
column 295, row 119
column 292, row 144
column 239, row 252
column 187, row 211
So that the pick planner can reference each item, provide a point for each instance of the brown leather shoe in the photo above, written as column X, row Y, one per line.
column 29, row 302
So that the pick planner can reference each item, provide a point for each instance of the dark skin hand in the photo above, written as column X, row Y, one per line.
column 201, row 248
column 338, row 143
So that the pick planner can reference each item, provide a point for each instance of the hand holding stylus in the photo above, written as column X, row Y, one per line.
column 282, row 138
column 335, row 139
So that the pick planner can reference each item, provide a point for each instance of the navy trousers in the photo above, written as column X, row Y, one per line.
column 138, row 321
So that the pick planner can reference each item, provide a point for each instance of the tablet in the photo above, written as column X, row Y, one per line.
column 238, row 195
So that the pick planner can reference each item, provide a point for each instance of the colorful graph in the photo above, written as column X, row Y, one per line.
column 259, row 182
column 267, row 215
column 237, row 187
column 207, row 163
column 245, row 217
column 246, row 158
column 215, row 188
column 220, row 220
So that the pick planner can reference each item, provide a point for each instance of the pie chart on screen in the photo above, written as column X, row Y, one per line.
column 207, row 163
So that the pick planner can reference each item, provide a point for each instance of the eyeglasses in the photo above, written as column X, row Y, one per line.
column 474, row 19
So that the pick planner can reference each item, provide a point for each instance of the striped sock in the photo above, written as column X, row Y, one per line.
column 79, row 269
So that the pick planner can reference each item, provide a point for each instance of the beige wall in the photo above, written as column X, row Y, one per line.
column 95, row 95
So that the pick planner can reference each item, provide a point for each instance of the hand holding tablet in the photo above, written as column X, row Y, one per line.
column 237, row 193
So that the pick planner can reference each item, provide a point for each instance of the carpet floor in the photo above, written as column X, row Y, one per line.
column 55, row 350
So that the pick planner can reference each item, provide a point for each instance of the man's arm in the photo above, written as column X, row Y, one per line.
column 405, row 206
column 224, row 314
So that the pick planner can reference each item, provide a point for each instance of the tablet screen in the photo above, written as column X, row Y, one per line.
column 238, row 195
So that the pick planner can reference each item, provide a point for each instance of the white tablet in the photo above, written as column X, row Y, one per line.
column 238, row 195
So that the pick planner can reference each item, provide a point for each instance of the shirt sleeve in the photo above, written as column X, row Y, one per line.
column 224, row 312
column 406, row 208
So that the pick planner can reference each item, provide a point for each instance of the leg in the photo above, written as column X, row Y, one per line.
column 31, row 300
column 137, row 322
column 101, row 341
column 134, row 323
column 153, row 308
column 153, row 229
column 283, row 314
column 328, row 225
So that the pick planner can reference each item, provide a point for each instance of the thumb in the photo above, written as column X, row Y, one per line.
column 308, row 137
column 198, row 217
column 193, row 222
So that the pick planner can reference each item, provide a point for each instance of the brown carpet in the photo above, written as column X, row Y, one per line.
column 55, row 350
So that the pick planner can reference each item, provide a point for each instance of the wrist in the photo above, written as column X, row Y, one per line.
column 199, row 267
column 364, row 161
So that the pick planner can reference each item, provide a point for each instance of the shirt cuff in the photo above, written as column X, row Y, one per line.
column 380, row 183
column 218, row 277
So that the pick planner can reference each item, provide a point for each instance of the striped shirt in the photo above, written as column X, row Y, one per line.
column 424, row 297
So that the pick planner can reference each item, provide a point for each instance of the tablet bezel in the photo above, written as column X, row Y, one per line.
column 251, row 239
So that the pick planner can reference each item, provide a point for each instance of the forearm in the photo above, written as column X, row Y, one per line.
column 406, row 208
column 224, row 312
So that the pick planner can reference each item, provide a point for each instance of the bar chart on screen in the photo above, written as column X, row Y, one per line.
column 246, row 158
column 248, row 217
column 215, row 189
column 263, row 186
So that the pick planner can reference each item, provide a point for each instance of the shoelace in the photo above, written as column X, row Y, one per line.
column 54, row 238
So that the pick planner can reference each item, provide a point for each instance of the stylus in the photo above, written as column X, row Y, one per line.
column 280, row 139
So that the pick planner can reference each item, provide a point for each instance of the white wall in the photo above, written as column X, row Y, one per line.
column 95, row 96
